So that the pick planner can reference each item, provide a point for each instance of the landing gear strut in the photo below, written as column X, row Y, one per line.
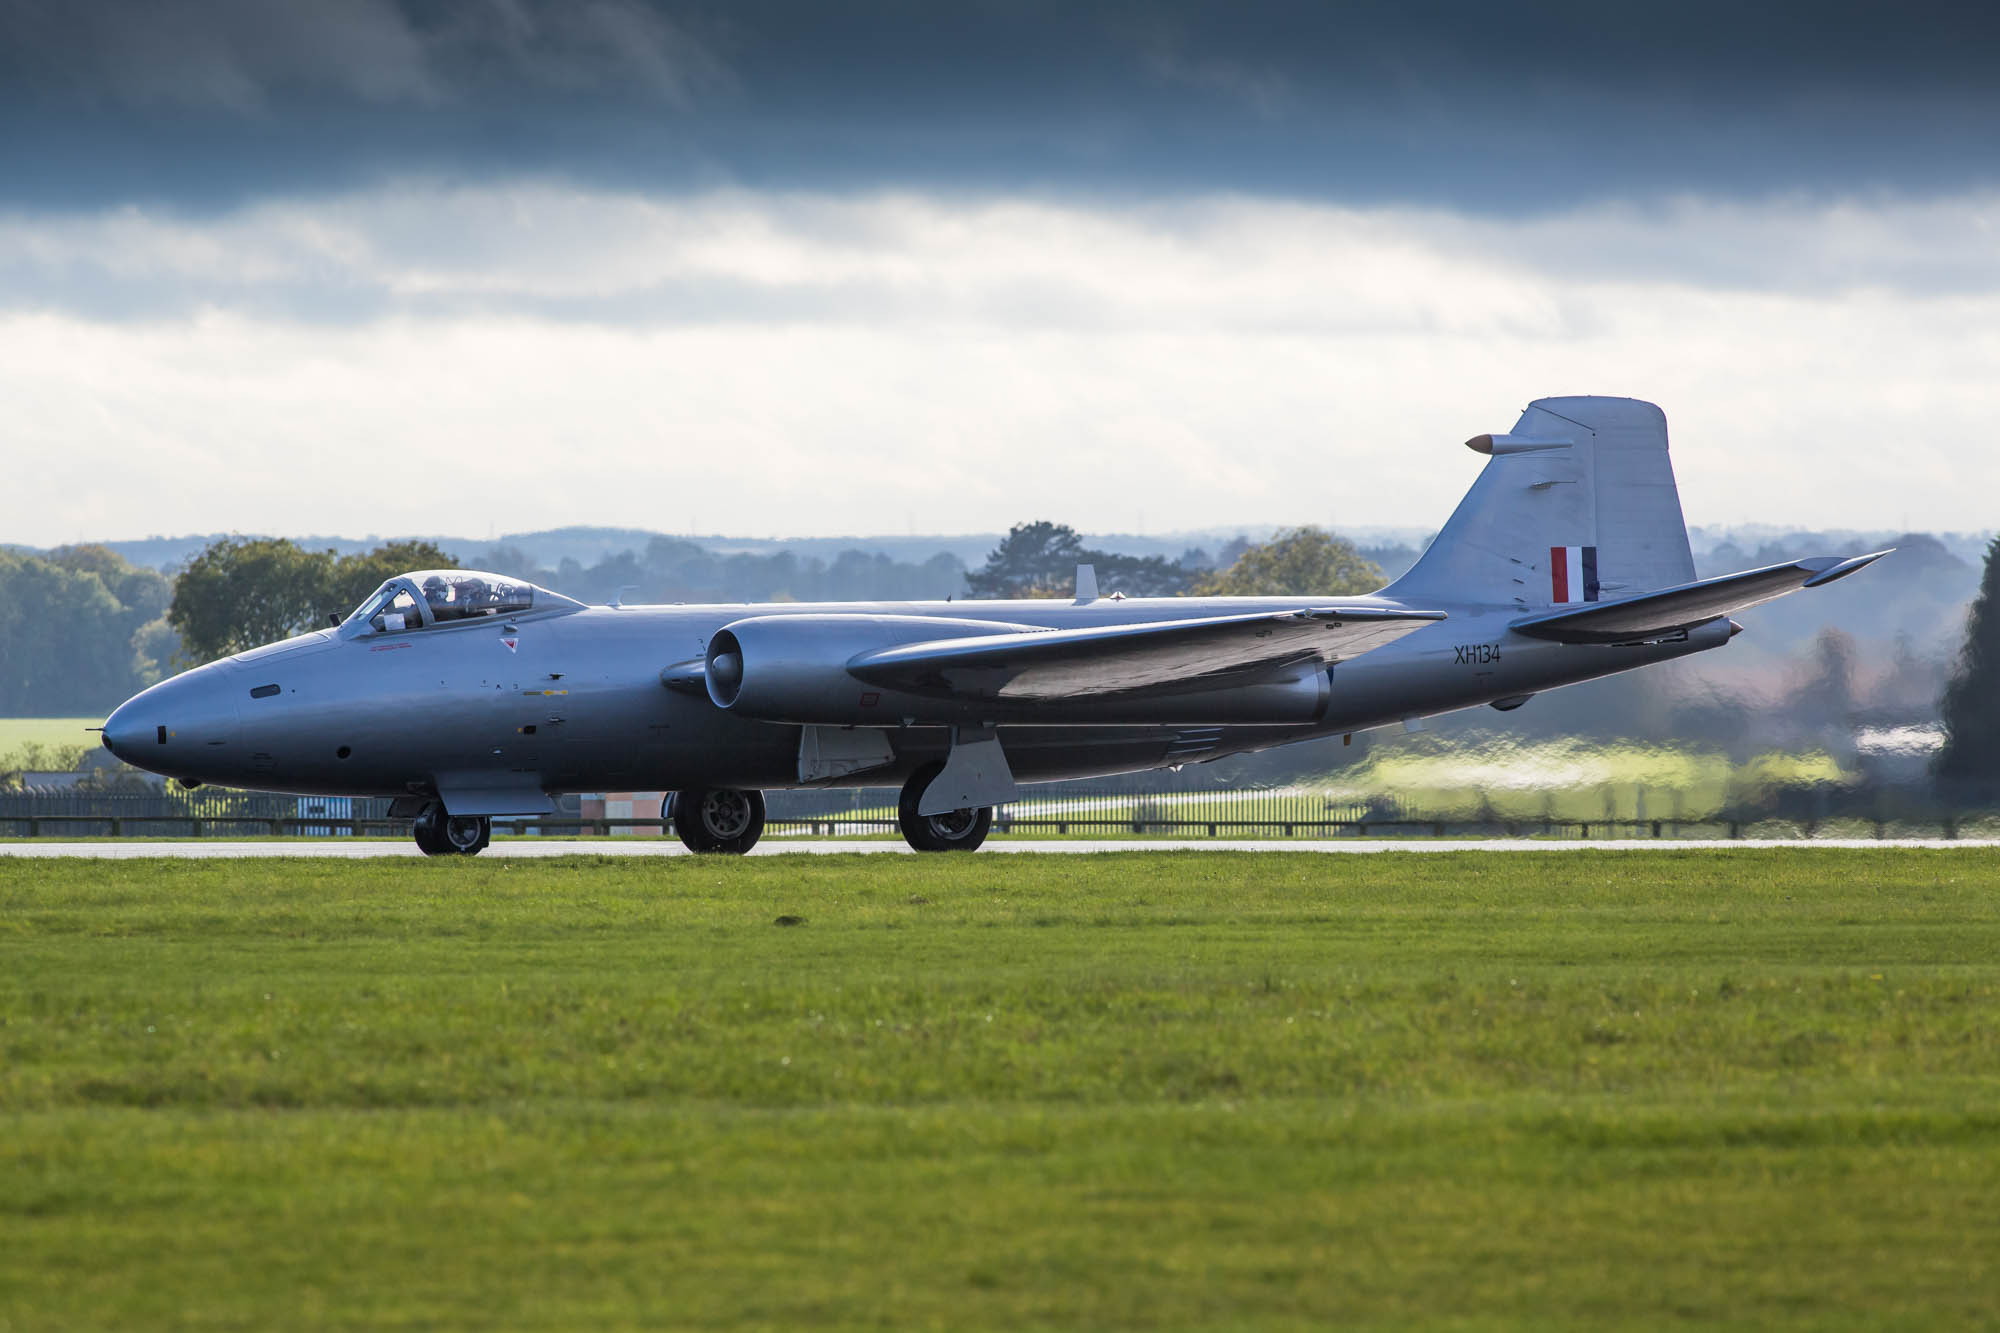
column 719, row 819
column 952, row 831
column 441, row 834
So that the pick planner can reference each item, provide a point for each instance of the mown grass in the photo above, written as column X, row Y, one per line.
column 16, row 732
column 1167, row 1090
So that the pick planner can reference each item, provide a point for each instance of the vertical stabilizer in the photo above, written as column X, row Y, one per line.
column 1576, row 504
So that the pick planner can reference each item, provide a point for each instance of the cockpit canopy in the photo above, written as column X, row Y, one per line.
column 433, row 597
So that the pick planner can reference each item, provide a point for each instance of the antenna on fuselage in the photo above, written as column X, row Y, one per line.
column 617, row 602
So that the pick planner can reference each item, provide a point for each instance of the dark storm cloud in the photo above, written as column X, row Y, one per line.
column 1464, row 103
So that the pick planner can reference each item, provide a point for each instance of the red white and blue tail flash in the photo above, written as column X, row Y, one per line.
column 1572, row 574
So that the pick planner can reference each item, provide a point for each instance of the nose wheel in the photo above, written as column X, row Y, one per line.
column 441, row 834
column 719, row 819
column 952, row 831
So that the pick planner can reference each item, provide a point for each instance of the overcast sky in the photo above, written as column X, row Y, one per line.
column 805, row 269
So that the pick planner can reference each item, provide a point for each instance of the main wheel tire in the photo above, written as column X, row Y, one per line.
column 429, row 831
column 952, row 831
column 719, row 819
column 440, row 834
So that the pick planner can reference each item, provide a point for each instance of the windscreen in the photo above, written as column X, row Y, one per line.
column 390, row 607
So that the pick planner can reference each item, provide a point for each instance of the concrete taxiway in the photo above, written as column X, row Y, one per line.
column 364, row 848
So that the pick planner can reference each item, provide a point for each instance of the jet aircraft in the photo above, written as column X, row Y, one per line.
column 466, row 695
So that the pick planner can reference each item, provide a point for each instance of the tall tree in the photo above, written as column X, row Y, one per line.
column 68, row 634
column 353, row 577
column 1970, row 759
column 1307, row 562
column 1037, row 559
column 243, row 591
column 1826, row 697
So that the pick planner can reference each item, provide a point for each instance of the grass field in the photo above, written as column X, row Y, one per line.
column 1735, row 1089
column 66, row 732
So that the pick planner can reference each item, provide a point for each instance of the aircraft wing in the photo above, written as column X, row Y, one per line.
column 1670, row 610
column 1167, row 656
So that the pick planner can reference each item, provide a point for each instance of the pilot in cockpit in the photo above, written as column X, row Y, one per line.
column 439, row 594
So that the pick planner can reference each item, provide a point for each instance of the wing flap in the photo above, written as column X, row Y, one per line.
column 1168, row 656
column 1671, row 610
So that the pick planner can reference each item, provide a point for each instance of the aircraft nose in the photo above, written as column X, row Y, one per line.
column 124, row 730
column 179, row 726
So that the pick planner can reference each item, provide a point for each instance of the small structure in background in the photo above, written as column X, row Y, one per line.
column 1898, row 756
column 97, row 770
column 623, row 805
column 52, row 779
column 325, row 807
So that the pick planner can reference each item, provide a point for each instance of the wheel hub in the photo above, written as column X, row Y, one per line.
column 953, row 823
column 725, row 814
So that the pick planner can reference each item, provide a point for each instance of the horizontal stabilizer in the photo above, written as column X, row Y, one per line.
column 1671, row 610
column 1166, row 656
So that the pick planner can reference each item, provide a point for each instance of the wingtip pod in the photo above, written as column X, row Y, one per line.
column 1835, row 568
column 1492, row 445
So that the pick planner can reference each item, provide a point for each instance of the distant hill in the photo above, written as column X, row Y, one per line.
column 1880, row 645
column 587, row 545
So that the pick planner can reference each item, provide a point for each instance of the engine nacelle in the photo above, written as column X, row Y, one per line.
column 794, row 668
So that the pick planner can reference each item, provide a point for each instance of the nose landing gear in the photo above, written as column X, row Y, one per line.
column 952, row 831
column 718, row 819
column 442, row 834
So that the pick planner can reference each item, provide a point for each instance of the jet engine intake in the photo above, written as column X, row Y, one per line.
column 794, row 668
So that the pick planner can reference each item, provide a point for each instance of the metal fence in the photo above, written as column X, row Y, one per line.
column 1058, row 810
column 174, row 814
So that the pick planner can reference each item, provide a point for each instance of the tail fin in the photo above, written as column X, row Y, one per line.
column 1577, row 505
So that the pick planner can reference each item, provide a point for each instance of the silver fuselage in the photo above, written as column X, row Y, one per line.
column 572, row 699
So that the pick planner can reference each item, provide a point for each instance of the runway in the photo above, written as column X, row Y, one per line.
column 530, row 848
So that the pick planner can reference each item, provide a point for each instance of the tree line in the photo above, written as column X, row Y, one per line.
column 81, row 629
column 1040, row 560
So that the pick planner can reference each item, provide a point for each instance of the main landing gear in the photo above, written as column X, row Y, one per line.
column 952, row 831
column 718, row 819
column 442, row 834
